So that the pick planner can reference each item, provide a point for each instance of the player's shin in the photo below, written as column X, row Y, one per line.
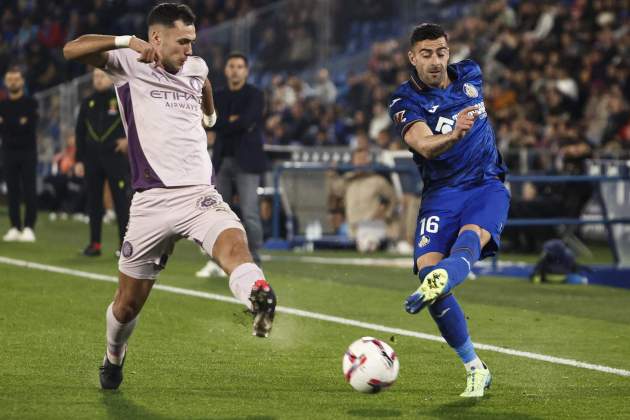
column 450, row 319
column 118, row 334
column 464, row 254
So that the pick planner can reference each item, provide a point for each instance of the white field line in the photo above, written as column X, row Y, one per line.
column 398, row 262
column 321, row 317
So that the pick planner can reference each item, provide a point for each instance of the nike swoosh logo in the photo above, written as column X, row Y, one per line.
column 394, row 101
column 466, row 262
column 443, row 313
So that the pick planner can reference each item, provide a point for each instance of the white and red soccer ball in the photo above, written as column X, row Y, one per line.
column 370, row 365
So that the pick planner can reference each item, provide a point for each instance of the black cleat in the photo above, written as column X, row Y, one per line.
column 110, row 374
column 263, row 301
column 92, row 250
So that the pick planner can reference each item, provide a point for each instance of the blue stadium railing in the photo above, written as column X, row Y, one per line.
column 280, row 168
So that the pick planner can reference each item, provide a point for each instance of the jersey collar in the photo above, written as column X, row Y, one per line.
column 420, row 86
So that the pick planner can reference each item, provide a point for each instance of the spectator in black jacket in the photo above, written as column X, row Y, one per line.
column 102, row 155
column 18, row 121
column 238, row 158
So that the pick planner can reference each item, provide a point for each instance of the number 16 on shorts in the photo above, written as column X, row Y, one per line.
column 429, row 224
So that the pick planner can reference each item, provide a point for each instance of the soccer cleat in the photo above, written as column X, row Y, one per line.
column 110, row 374
column 92, row 250
column 12, row 235
column 477, row 381
column 27, row 235
column 433, row 286
column 263, row 301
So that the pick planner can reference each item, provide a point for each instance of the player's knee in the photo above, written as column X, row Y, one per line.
column 125, row 311
column 232, row 251
column 474, row 228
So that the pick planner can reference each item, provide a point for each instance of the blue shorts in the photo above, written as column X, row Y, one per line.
column 443, row 212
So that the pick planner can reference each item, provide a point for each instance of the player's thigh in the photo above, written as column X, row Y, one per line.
column 149, row 239
column 436, row 231
column 487, row 207
column 204, row 216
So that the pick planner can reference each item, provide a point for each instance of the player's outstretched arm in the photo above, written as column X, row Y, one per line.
column 92, row 49
column 421, row 139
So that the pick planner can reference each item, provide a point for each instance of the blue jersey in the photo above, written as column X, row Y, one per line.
column 475, row 157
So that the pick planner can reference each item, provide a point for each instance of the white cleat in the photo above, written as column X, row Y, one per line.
column 211, row 269
column 13, row 235
column 27, row 235
column 477, row 381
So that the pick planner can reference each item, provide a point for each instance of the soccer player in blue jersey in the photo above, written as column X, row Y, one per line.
column 441, row 116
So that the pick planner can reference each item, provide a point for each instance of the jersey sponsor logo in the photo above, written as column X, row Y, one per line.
column 444, row 125
column 394, row 101
column 470, row 90
column 399, row 117
column 127, row 249
column 433, row 109
column 424, row 241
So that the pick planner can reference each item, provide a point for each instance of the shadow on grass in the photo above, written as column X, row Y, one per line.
column 374, row 412
column 118, row 406
column 472, row 408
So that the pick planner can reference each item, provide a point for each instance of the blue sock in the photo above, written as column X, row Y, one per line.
column 424, row 271
column 450, row 319
column 464, row 254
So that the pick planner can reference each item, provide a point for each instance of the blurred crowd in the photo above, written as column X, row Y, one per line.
column 33, row 32
column 556, row 78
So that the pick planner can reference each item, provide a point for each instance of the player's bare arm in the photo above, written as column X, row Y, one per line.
column 420, row 137
column 92, row 49
column 207, row 102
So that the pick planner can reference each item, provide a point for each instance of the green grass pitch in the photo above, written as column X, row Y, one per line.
column 195, row 358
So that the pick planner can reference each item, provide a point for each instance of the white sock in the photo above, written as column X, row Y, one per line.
column 117, row 336
column 242, row 280
column 476, row 363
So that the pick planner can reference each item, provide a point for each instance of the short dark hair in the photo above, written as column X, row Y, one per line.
column 237, row 54
column 14, row 68
column 167, row 13
column 427, row 31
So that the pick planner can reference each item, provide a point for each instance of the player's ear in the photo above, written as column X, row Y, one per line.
column 412, row 58
column 155, row 35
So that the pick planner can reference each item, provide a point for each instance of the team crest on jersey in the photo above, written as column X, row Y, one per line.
column 470, row 90
column 399, row 117
column 206, row 202
column 424, row 241
column 127, row 249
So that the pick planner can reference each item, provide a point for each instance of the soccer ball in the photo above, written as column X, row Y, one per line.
column 370, row 365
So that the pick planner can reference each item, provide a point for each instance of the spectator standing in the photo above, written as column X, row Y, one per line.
column 238, row 156
column 18, row 121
